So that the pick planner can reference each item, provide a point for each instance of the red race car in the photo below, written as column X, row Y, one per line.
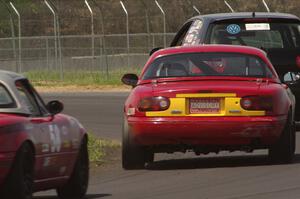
column 207, row 98
column 39, row 148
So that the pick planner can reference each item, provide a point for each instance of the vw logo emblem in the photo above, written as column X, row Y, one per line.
column 233, row 29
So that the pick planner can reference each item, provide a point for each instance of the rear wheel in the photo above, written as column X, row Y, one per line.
column 77, row 185
column 149, row 156
column 284, row 150
column 133, row 156
column 19, row 184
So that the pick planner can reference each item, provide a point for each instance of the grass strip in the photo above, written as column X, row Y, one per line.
column 46, row 78
column 99, row 149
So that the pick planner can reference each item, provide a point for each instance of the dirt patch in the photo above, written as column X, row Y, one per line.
column 112, row 158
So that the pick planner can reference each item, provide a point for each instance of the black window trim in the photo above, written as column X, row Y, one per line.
column 32, row 91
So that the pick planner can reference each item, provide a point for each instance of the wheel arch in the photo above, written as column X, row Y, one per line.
column 31, row 144
column 85, row 138
column 292, row 112
column 20, row 139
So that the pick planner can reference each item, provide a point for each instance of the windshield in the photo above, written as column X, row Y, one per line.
column 6, row 100
column 207, row 64
column 260, row 35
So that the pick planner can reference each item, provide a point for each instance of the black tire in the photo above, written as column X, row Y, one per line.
column 133, row 156
column 77, row 185
column 284, row 150
column 19, row 184
column 149, row 156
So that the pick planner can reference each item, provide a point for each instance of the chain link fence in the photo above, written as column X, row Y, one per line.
column 110, row 53
column 54, row 40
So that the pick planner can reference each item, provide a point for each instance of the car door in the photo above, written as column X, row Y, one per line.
column 51, row 134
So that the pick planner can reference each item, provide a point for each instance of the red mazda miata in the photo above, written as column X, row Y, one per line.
column 39, row 148
column 208, row 98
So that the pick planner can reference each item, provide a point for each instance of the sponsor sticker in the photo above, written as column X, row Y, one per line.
column 257, row 26
column 192, row 37
column 47, row 161
column 199, row 24
column 67, row 144
column 233, row 29
column 45, row 148
column 55, row 137
column 130, row 111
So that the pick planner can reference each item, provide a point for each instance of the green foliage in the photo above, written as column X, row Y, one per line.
column 99, row 148
column 78, row 78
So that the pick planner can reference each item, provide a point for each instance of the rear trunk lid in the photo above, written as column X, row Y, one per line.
column 208, row 98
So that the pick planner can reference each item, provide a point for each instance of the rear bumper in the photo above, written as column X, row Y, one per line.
column 6, row 161
column 205, row 131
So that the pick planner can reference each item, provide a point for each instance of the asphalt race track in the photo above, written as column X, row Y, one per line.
column 100, row 113
column 224, row 176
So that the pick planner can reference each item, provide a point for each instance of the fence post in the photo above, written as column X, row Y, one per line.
column 148, row 29
column 13, row 40
column 266, row 5
column 55, row 32
column 92, row 30
column 20, row 36
column 196, row 9
column 56, row 19
column 147, row 26
column 229, row 6
column 47, row 52
column 60, row 49
column 165, row 26
column 104, row 53
column 153, row 41
column 127, row 31
column 12, row 29
column 103, row 43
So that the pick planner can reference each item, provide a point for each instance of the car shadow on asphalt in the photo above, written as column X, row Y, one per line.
column 88, row 196
column 214, row 162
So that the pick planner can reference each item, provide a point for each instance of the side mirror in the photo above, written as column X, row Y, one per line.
column 55, row 107
column 130, row 79
column 291, row 77
column 154, row 50
column 297, row 77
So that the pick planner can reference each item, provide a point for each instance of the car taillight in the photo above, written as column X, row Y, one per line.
column 264, row 103
column 298, row 61
column 154, row 104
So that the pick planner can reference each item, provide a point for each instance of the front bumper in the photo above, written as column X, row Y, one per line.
column 6, row 161
column 205, row 131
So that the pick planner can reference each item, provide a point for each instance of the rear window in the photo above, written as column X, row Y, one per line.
column 207, row 64
column 261, row 35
